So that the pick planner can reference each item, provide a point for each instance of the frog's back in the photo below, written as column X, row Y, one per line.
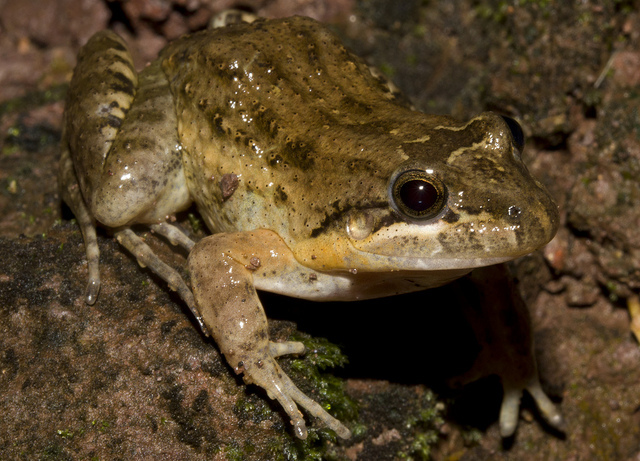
column 297, row 124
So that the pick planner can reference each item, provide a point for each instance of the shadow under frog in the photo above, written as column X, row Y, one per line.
column 442, row 338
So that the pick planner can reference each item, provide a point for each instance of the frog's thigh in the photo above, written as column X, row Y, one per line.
column 121, row 131
column 143, row 179
column 222, row 268
column 100, row 94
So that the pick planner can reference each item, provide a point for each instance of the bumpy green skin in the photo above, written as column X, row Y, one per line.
column 315, row 139
column 291, row 148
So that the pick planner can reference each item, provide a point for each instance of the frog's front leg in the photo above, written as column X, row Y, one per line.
column 222, row 276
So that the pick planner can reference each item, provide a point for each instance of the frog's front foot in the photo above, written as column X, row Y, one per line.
column 222, row 277
column 261, row 369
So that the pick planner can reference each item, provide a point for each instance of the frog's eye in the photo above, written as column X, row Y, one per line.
column 516, row 132
column 418, row 194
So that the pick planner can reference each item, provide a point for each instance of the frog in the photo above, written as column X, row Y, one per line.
column 314, row 177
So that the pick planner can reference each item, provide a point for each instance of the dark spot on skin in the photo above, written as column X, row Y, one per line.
column 281, row 195
column 240, row 136
column 228, row 185
column 514, row 212
column 361, row 165
column 264, row 120
column 217, row 123
column 275, row 160
column 299, row 154
column 450, row 217
column 355, row 107
column 312, row 56
column 228, row 74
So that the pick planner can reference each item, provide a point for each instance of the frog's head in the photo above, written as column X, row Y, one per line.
column 472, row 204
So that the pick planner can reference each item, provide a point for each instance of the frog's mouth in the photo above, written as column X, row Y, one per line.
column 378, row 259
column 468, row 243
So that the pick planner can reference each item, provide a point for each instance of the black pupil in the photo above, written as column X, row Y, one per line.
column 418, row 195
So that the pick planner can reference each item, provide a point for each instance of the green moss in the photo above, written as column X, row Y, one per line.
column 97, row 425
column 471, row 436
column 327, row 390
column 252, row 409
column 497, row 13
column 233, row 453
column 424, row 424
column 500, row 11
column 412, row 60
column 30, row 138
column 613, row 289
column 101, row 425
column 54, row 451
column 419, row 30
column 195, row 221
column 34, row 99
column 65, row 433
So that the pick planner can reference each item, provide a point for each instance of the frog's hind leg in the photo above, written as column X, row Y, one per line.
column 122, row 157
column 510, row 408
column 98, row 99
column 70, row 192
column 499, row 313
column 147, row 258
